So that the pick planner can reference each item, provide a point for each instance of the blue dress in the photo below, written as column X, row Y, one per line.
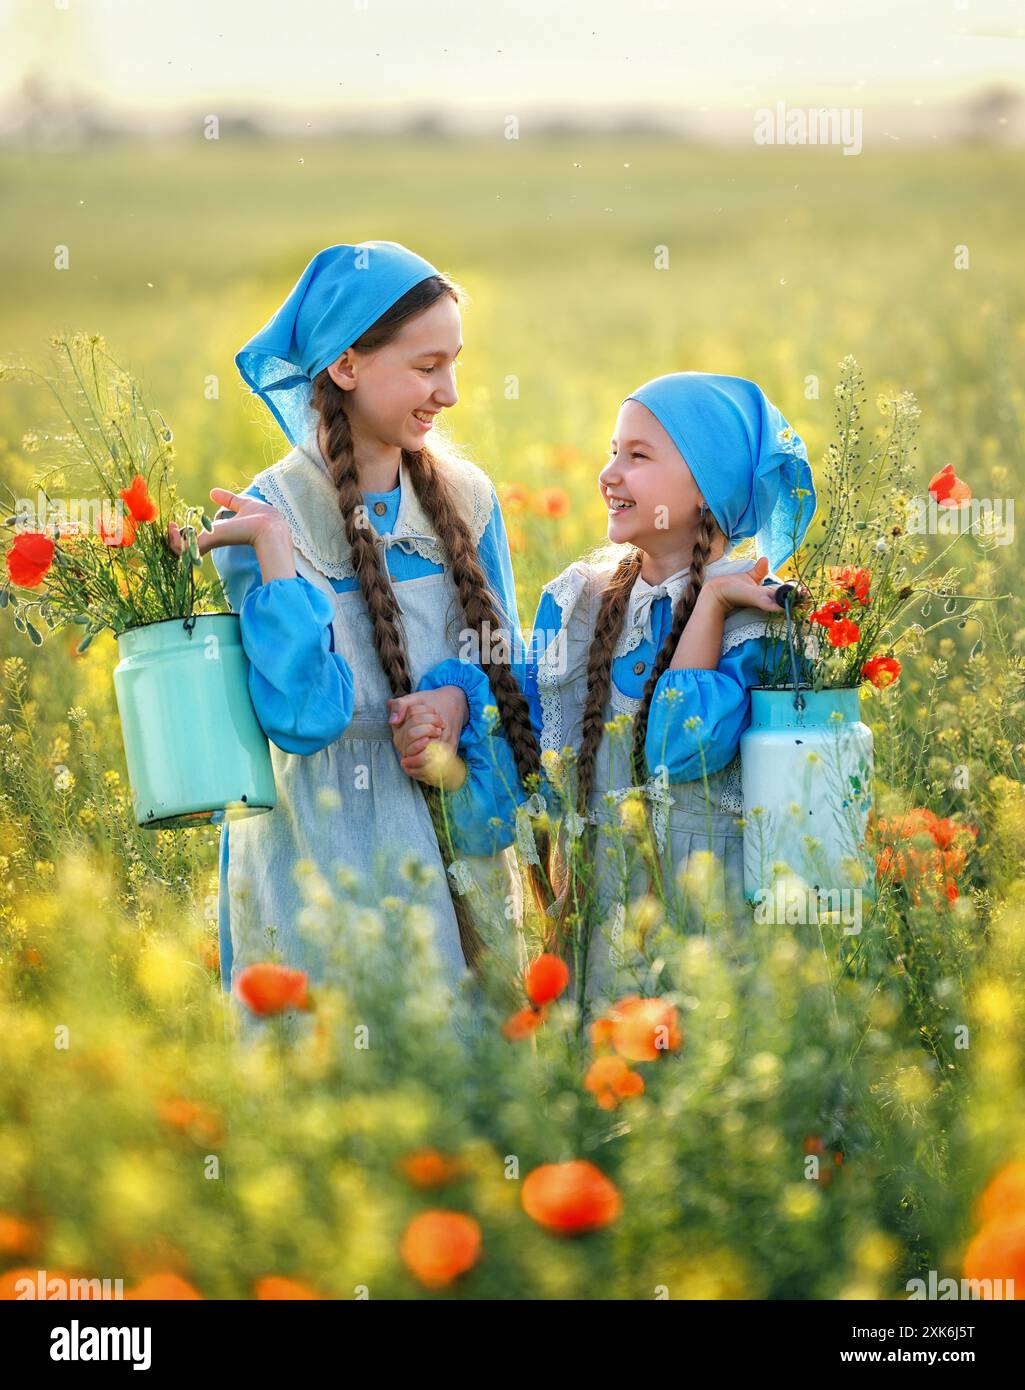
column 719, row 698
column 303, row 690
column 694, row 727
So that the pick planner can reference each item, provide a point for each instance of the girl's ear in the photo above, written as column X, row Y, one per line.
column 343, row 371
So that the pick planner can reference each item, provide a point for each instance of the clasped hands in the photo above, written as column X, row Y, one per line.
column 425, row 730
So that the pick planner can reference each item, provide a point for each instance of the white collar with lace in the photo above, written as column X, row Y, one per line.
column 555, row 670
column 637, row 626
column 299, row 486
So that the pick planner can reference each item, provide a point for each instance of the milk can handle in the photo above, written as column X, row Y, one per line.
column 784, row 596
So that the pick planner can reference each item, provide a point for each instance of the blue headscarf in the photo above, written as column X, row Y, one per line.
column 745, row 458
column 342, row 291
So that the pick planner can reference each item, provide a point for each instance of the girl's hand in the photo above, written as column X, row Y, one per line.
column 414, row 724
column 446, row 707
column 745, row 590
column 425, row 729
column 246, row 521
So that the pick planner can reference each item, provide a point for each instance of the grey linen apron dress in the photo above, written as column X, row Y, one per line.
column 350, row 808
column 685, row 817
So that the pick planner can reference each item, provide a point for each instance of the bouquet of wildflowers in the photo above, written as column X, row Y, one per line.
column 865, row 562
column 89, row 547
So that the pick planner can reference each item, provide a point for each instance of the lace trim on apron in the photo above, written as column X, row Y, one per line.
column 300, row 488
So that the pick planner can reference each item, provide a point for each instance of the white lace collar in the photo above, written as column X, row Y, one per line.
column 637, row 625
column 300, row 487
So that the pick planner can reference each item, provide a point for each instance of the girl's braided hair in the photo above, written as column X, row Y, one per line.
column 608, row 625
column 481, row 611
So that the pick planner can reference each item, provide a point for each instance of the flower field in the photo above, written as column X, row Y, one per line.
column 773, row 1112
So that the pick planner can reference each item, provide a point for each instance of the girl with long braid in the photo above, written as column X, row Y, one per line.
column 642, row 659
column 358, row 564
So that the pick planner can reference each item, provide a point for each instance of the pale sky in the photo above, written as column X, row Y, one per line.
column 308, row 54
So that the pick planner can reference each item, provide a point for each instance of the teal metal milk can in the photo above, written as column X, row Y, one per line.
column 806, row 770
column 195, row 751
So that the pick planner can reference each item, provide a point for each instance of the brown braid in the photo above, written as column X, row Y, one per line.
column 479, row 606
column 608, row 625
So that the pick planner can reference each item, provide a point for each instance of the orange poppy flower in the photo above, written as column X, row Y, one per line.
column 430, row 1168
column 1004, row 1194
column 842, row 631
column 166, row 1287
column 545, row 978
column 267, row 988
column 278, row 1287
column 998, row 1252
column 570, row 1198
column 17, row 1237
column 881, row 671
column 108, row 535
column 439, row 1245
column 830, row 611
column 179, row 1113
column 138, row 501
column 947, row 489
column 851, row 578
column 552, row 501
column 514, row 497
column 891, row 861
column 643, row 1030
column 29, row 558
column 601, row 1032
column 522, row 1023
column 611, row 1080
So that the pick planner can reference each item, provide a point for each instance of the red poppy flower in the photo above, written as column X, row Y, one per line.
column 278, row 1287
column 266, row 988
column 522, row 1023
column 842, row 631
column 439, row 1245
column 428, row 1167
column 947, row 489
column 881, row 671
column 998, row 1252
column 643, row 1030
column 569, row 1198
column 545, row 978
column 109, row 535
column 29, row 558
column 611, row 1080
column 138, row 501
column 851, row 578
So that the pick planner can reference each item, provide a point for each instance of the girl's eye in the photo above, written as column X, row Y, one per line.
column 457, row 363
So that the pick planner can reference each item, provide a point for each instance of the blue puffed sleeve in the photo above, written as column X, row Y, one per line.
column 483, row 810
column 720, row 698
column 302, row 689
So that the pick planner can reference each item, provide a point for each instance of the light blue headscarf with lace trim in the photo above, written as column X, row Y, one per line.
column 342, row 291
column 751, row 466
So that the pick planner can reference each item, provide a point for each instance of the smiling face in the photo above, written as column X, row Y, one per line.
column 646, row 472
column 393, row 395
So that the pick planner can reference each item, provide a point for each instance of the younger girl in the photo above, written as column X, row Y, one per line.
column 663, row 632
column 357, row 563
